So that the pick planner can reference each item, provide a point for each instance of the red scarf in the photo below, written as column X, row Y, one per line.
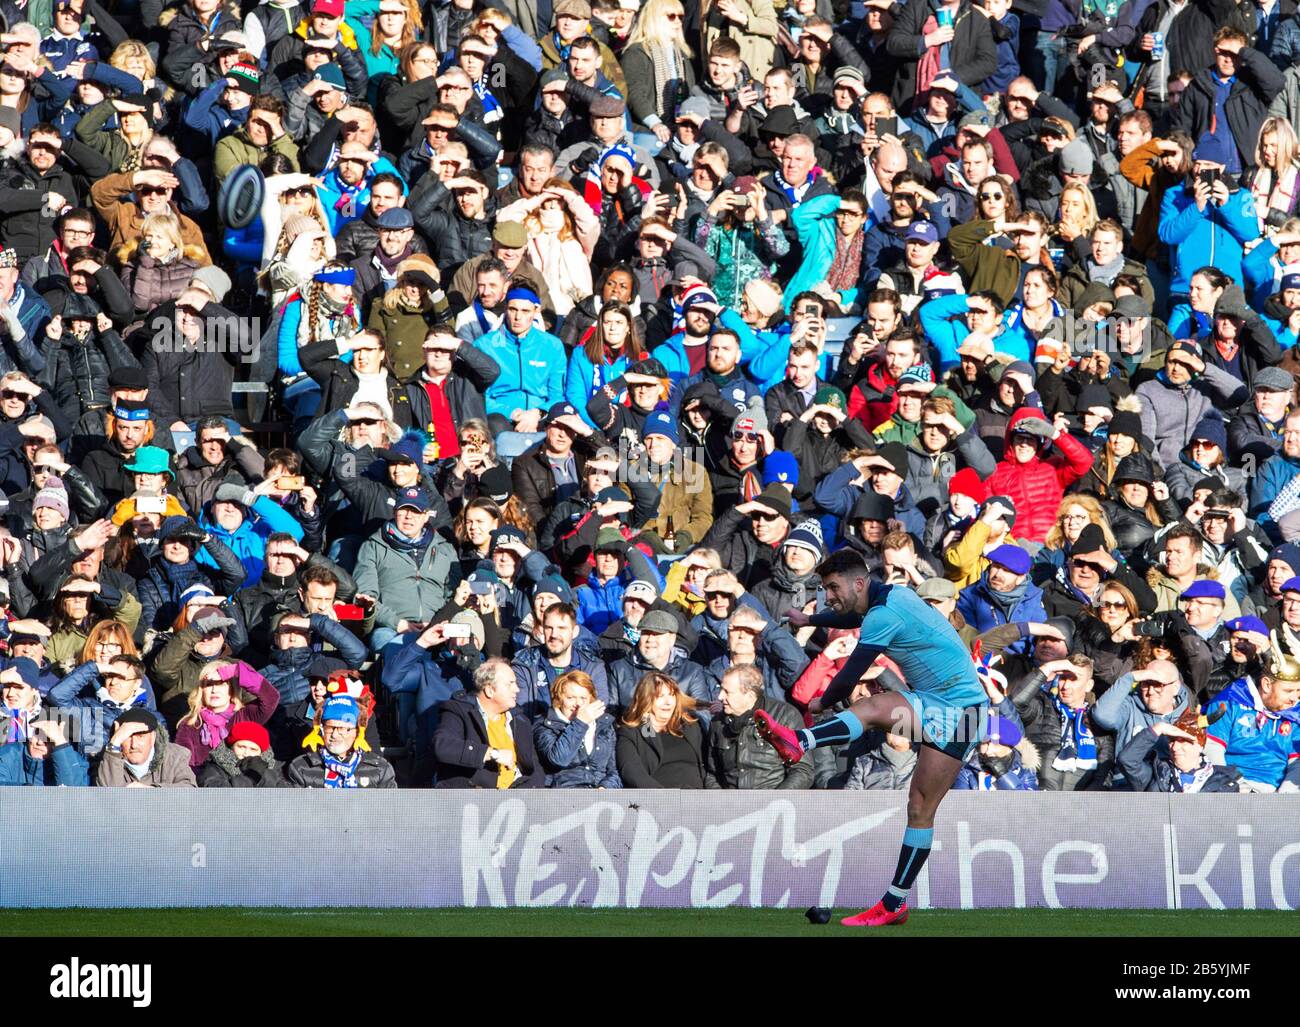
column 441, row 427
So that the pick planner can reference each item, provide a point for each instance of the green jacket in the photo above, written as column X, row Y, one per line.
column 407, row 588
column 987, row 267
column 236, row 149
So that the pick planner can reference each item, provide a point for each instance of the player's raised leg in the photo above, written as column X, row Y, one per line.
column 888, row 710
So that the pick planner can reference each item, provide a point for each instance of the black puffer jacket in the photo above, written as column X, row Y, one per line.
column 782, row 591
column 26, row 227
column 738, row 757
column 454, row 238
column 1043, row 726
column 308, row 771
column 224, row 770
column 82, row 367
column 339, row 382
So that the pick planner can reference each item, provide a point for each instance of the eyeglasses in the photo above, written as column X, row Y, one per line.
column 1149, row 683
column 80, row 233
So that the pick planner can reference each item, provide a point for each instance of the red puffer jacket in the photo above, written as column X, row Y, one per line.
column 873, row 401
column 1036, row 487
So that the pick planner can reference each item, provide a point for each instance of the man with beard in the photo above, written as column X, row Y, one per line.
column 536, row 667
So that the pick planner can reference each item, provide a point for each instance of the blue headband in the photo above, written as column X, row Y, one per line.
column 341, row 276
column 522, row 292
column 131, row 414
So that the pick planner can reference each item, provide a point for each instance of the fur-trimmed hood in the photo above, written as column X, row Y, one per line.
column 224, row 757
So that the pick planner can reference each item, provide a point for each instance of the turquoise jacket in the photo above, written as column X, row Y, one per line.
column 579, row 381
column 248, row 541
column 814, row 224
column 378, row 65
column 532, row 370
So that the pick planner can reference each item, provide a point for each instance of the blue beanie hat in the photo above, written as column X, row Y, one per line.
column 1003, row 731
column 780, row 467
column 1212, row 148
column 660, row 423
column 1289, row 554
column 1212, row 429
column 341, row 707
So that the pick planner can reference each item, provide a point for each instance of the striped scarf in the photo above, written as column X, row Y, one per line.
column 1078, row 746
column 340, row 773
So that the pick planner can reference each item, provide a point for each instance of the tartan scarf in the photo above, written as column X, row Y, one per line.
column 1287, row 499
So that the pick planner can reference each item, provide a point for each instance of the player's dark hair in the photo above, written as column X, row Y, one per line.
column 843, row 561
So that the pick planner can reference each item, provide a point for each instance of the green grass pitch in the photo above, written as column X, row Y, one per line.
column 737, row 922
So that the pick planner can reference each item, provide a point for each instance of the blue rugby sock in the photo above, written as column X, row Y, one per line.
column 839, row 730
column 911, row 858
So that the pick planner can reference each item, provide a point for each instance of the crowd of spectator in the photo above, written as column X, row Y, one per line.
column 465, row 393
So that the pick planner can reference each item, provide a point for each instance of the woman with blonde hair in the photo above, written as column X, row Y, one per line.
column 158, row 266
column 562, row 234
column 684, row 583
column 575, row 740
column 229, row 692
column 324, row 309
column 287, row 194
column 1275, row 179
column 657, row 63
column 1074, row 513
column 1076, row 218
column 659, row 740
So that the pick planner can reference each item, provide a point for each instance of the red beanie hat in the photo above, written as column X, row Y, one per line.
column 967, row 483
column 249, row 731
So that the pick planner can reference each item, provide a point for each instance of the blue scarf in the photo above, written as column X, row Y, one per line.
column 491, row 109
column 413, row 546
column 1078, row 746
column 340, row 773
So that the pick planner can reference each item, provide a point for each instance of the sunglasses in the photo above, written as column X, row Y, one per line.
column 11, row 394
column 744, row 436
column 1089, row 565
column 710, row 596
column 1112, row 604
column 766, row 518
column 991, row 196
column 673, row 16
column 1152, row 683
column 365, row 420
column 153, row 190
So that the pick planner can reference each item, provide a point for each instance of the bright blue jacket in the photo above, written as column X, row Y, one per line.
column 286, row 338
column 765, row 354
column 1214, row 236
column 248, row 541
column 331, row 193
column 672, row 354
column 1263, row 745
column 1261, row 272
column 1276, row 472
column 578, row 387
column 79, row 690
column 64, row 766
column 532, row 370
column 975, row 603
